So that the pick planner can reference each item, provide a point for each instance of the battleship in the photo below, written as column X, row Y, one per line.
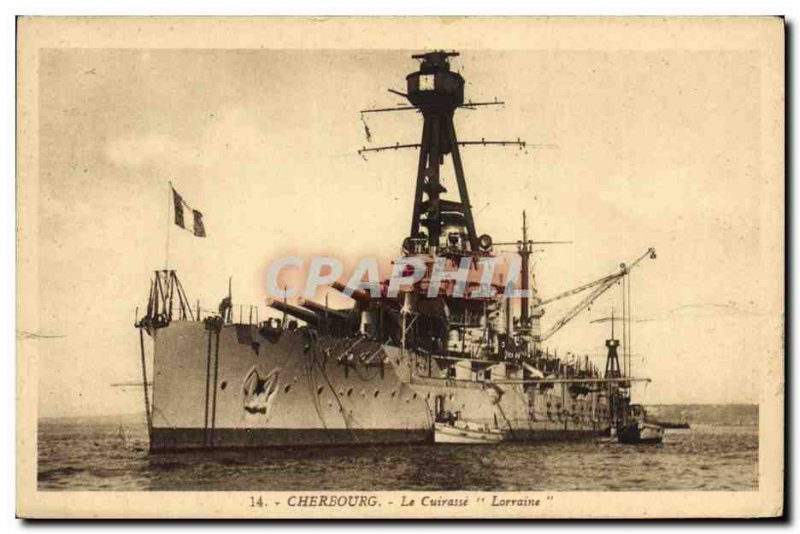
column 390, row 368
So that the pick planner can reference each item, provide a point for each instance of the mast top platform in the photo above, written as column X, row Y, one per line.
column 436, row 57
column 434, row 87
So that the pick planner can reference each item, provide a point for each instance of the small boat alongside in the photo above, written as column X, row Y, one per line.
column 460, row 431
column 638, row 429
column 640, row 432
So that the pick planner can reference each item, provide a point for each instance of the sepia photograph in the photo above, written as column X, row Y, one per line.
column 400, row 267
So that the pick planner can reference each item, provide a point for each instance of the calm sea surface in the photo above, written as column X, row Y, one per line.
column 114, row 457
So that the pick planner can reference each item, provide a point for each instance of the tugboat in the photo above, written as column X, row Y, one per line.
column 629, row 422
column 638, row 429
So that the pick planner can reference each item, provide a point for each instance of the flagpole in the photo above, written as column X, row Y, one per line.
column 169, row 214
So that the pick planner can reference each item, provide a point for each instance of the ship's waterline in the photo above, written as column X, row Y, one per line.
column 111, row 454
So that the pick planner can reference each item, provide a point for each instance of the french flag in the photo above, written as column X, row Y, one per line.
column 198, row 228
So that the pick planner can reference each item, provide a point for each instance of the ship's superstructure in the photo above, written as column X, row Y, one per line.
column 446, row 347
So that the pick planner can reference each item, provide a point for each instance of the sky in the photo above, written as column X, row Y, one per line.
column 628, row 150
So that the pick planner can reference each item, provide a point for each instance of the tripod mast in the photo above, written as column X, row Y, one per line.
column 436, row 92
column 439, row 223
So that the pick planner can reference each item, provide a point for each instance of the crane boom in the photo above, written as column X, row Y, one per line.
column 622, row 272
column 585, row 303
column 580, row 288
column 604, row 284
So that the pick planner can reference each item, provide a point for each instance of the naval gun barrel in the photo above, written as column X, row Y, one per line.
column 364, row 299
column 324, row 311
column 303, row 314
column 359, row 295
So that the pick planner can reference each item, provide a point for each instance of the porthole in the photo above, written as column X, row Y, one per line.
column 428, row 396
column 223, row 385
column 376, row 394
column 414, row 396
column 320, row 390
column 349, row 391
column 287, row 388
column 394, row 392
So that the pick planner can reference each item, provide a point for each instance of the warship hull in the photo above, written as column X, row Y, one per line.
column 243, row 386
